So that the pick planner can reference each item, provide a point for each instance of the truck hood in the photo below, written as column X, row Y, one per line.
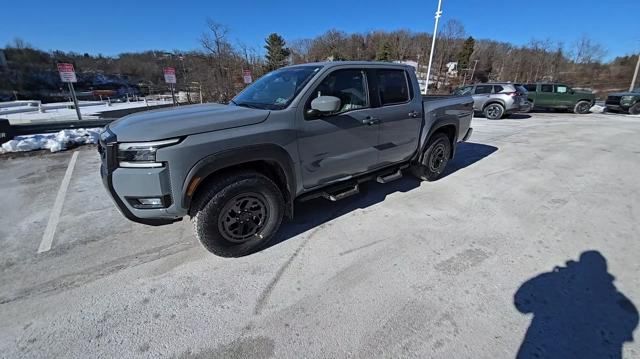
column 183, row 121
column 625, row 94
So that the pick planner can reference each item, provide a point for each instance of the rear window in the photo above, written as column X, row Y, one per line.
column 497, row 88
column 530, row 87
column 393, row 87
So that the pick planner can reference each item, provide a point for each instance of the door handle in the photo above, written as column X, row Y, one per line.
column 370, row 120
column 414, row 114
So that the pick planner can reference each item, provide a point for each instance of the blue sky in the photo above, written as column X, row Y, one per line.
column 112, row 27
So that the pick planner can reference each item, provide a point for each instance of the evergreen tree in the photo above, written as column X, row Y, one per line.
column 465, row 54
column 384, row 52
column 277, row 53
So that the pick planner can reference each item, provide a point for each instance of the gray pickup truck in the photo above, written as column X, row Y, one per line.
column 304, row 131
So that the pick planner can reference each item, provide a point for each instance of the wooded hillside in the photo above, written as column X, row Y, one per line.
column 29, row 73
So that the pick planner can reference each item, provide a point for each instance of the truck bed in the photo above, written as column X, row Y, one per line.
column 457, row 109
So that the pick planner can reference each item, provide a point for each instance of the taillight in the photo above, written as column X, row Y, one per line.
column 511, row 94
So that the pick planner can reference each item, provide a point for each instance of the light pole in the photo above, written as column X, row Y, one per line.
column 475, row 63
column 433, row 44
column 635, row 75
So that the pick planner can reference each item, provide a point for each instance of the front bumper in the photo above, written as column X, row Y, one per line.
column 125, row 183
column 617, row 108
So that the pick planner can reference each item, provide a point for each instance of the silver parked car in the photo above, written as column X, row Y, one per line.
column 496, row 100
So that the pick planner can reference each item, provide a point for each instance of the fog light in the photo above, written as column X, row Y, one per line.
column 150, row 202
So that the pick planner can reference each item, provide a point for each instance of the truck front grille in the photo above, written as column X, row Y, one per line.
column 613, row 100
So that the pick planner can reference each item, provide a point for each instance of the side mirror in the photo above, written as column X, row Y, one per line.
column 325, row 104
column 571, row 92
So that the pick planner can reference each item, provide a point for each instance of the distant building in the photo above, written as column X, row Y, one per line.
column 452, row 69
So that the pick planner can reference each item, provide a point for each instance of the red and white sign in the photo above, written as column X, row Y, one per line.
column 67, row 73
column 246, row 76
column 170, row 75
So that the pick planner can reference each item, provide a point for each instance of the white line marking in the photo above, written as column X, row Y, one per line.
column 54, row 217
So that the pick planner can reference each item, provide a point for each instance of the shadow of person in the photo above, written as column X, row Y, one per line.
column 577, row 312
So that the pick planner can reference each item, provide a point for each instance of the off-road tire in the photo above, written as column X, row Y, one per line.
column 582, row 107
column 439, row 147
column 635, row 109
column 209, row 204
column 493, row 111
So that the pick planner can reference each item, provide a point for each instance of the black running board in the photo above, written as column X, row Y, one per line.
column 347, row 192
column 389, row 177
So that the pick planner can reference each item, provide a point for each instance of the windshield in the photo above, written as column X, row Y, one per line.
column 276, row 90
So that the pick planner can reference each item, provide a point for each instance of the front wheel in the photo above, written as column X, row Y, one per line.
column 635, row 109
column 435, row 158
column 494, row 111
column 238, row 214
column 582, row 107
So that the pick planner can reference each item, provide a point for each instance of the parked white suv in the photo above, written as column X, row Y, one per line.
column 496, row 100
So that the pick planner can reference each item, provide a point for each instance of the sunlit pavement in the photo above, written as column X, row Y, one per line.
column 406, row 269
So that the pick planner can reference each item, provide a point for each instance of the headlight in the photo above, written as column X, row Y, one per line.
column 141, row 154
column 626, row 99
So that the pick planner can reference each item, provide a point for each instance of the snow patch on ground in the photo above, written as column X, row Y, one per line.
column 52, row 141
column 597, row 109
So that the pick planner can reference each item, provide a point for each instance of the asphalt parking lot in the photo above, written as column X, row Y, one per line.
column 465, row 267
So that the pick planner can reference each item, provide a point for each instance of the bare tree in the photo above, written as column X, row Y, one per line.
column 220, row 84
column 587, row 51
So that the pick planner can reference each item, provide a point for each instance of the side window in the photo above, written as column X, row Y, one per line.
column 483, row 89
column 546, row 88
column 562, row 89
column 393, row 87
column 497, row 88
column 530, row 87
column 463, row 91
column 347, row 85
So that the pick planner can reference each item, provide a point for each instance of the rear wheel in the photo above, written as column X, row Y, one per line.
column 635, row 109
column 435, row 158
column 238, row 214
column 494, row 111
column 582, row 107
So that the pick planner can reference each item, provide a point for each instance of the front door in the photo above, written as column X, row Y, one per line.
column 341, row 144
column 563, row 96
column 481, row 95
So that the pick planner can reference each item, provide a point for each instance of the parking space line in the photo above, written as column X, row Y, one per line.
column 54, row 217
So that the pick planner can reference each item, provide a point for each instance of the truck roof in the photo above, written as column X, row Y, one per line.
column 329, row 64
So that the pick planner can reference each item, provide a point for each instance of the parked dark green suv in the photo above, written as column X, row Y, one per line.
column 559, row 96
column 624, row 102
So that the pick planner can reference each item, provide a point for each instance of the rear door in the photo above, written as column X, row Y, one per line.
column 546, row 96
column 399, row 110
column 341, row 144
